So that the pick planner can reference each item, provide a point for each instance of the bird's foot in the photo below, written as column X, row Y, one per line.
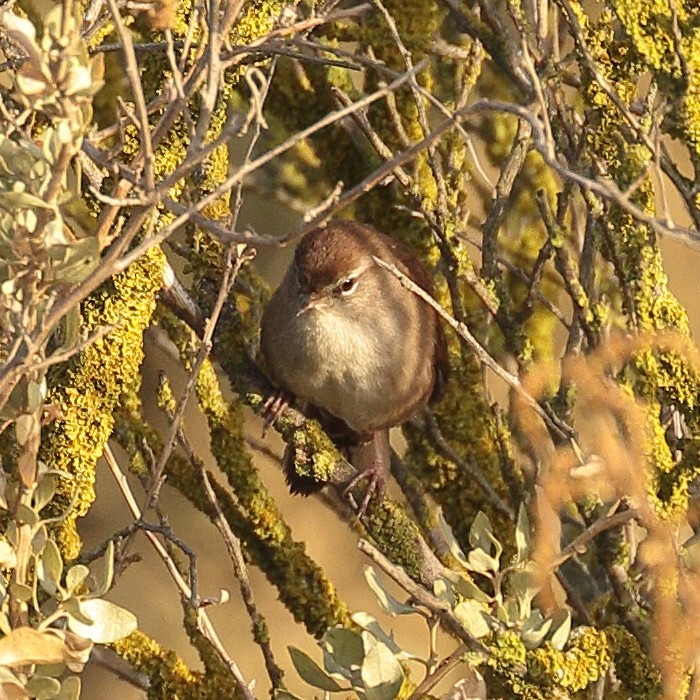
column 376, row 485
column 273, row 408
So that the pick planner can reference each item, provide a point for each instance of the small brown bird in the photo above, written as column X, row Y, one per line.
column 343, row 334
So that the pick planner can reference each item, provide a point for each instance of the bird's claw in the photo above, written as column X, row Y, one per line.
column 273, row 408
column 376, row 486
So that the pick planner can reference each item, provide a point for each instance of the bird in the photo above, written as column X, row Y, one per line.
column 358, row 349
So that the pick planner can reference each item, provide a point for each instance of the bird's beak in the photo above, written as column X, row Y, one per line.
column 310, row 301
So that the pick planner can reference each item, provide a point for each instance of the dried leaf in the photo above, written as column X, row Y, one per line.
column 25, row 645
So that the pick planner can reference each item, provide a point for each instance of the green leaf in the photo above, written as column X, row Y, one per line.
column 474, row 618
column 50, row 567
column 70, row 689
column 522, row 535
column 71, row 606
column 75, row 577
column 105, row 581
column 465, row 587
column 311, row 672
column 443, row 591
column 534, row 630
column 43, row 687
column 21, row 592
column 480, row 533
column 446, row 531
column 40, row 539
column 508, row 612
column 370, row 623
column 473, row 687
column 79, row 260
column 481, row 563
column 25, row 426
column 110, row 622
column 3, row 489
column 8, row 557
column 5, row 627
column 342, row 652
column 388, row 603
column 381, row 672
column 561, row 623
column 45, row 491
column 27, row 515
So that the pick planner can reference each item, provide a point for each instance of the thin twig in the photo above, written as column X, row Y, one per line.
column 132, row 72
column 204, row 624
column 231, row 269
column 423, row 597
column 485, row 358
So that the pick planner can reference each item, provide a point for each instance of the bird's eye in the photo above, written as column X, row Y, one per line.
column 347, row 285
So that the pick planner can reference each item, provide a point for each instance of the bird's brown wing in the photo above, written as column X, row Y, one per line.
column 411, row 265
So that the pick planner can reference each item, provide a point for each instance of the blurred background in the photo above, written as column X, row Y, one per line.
column 146, row 589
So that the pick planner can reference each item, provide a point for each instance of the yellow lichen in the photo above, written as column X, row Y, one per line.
column 91, row 388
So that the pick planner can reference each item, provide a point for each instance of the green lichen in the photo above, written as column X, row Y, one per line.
column 660, row 377
column 641, row 680
column 397, row 535
column 169, row 676
column 468, row 424
column 92, row 386
column 316, row 454
column 585, row 661
column 572, row 672
column 503, row 681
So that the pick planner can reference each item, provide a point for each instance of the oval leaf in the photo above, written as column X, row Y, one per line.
column 75, row 576
column 109, row 621
column 70, row 689
column 50, row 567
column 474, row 618
column 381, row 672
column 43, row 687
column 311, row 672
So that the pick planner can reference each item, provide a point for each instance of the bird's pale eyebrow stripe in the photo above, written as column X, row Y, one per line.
column 357, row 271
